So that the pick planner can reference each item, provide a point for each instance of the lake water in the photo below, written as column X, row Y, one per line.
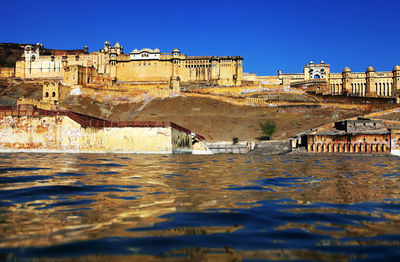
column 108, row 207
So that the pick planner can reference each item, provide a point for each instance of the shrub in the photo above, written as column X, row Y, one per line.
column 268, row 129
column 235, row 140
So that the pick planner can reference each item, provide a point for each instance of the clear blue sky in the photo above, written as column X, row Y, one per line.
column 268, row 34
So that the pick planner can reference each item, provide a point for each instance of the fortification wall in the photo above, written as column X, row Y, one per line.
column 39, row 69
column 144, row 71
column 62, row 134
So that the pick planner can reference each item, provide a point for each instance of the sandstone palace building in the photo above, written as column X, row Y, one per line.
column 79, row 67
column 357, row 84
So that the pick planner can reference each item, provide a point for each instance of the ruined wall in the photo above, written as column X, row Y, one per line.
column 181, row 142
column 61, row 134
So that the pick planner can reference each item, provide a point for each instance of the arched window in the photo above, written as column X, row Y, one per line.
column 54, row 94
column 47, row 94
column 317, row 76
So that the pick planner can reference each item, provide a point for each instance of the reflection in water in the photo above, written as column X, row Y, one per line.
column 111, row 206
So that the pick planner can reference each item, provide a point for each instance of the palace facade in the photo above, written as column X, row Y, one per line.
column 112, row 65
column 363, row 84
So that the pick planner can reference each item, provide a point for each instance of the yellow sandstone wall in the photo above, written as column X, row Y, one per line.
column 7, row 71
column 146, row 71
column 61, row 134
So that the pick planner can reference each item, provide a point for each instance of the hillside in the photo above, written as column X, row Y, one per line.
column 214, row 119
column 10, row 53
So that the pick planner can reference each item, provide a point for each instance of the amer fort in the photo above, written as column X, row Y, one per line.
column 149, row 66
column 146, row 74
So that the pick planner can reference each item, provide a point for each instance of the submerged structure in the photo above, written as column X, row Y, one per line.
column 36, row 130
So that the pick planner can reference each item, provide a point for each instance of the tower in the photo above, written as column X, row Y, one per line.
column 396, row 82
column 106, row 46
column 371, row 87
column 118, row 48
column 175, row 78
column 346, row 80
column 239, row 71
column 113, row 65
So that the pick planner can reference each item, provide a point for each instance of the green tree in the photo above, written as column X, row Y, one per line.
column 235, row 140
column 268, row 129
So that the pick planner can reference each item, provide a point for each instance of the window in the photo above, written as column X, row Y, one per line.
column 54, row 94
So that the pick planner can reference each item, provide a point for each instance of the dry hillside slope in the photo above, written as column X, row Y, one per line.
column 218, row 120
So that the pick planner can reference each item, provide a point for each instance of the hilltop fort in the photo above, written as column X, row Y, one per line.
column 111, row 65
column 209, row 94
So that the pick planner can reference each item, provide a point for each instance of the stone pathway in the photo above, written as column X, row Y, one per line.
column 137, row 111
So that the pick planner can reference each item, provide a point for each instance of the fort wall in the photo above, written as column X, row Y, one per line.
column 62, row 134
column 146, row 71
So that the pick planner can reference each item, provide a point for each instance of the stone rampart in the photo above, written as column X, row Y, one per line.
column 49, row 131
column 255, row 101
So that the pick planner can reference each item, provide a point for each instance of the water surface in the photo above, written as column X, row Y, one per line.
column 224, row 207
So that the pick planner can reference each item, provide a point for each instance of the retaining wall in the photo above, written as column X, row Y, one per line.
column 35, row 132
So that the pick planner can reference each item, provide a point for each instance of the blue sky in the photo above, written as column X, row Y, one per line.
column 270, row 35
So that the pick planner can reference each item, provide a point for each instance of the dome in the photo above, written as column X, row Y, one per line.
column 396, row 68
column 135, row 51
column 370, row 69
column 311, row 62
column 148, row 50
column 156, row 50
column 175, row 50
column 346, row 70
column 322, row 62
column 106, row 43
column 117, row 45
